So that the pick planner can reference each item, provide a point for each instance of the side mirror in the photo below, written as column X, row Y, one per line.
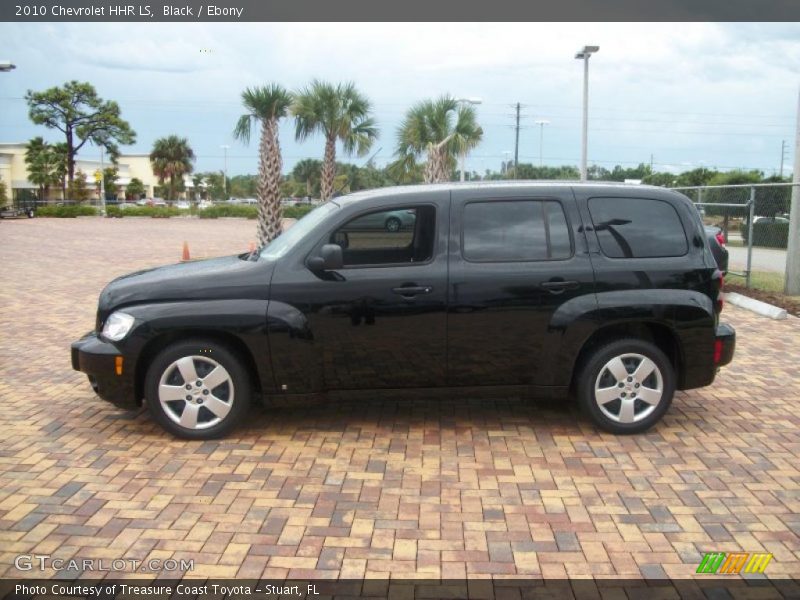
column 329, row 259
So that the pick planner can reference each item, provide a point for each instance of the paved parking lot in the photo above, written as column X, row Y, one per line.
column 443, row 488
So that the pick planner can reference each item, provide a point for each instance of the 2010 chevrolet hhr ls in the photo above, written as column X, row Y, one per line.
column 608, row 291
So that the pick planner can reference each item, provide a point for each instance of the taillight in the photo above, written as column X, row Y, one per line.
column 720, row 238
column 717, row 351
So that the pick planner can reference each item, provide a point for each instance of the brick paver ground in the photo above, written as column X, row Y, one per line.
column 442, row 488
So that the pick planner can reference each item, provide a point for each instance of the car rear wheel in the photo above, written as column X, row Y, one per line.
column 626, row 386
column 197, row 389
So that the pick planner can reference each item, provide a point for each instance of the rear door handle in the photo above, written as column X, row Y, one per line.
column 412, row 290
column 557, row 287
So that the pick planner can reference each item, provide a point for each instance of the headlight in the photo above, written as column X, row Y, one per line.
column 117, row 326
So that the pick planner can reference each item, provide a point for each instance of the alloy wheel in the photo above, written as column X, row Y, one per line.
column 196, row 392
column 628, row 388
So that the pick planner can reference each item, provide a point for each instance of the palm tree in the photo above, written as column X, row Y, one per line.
column 440, row 129
column 172, row 158
column 307, row 171
column 340, row 113
column 267, row 105
column 47, row 164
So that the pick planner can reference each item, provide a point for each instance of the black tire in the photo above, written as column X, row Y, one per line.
column 595, row 373
column 393, row 224
column 234, row 392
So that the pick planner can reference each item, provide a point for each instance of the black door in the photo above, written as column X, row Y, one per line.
column 379, row 322
column 515, row 260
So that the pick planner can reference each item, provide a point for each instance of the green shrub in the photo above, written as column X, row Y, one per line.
column 770, row 235
column 66, row 212
column 295, row 212
column 247, row 211
column 157, row 212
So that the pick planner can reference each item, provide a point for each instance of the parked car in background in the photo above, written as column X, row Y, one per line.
column 203, row 204
column 608, row 292
column 183, row 205
column 716, row 242
column 250, row 201
column 770, row 220
column 392, row 222
column 157, row 202
column 125, row 205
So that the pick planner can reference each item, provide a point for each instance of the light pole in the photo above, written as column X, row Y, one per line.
column 506, row 161
column 225, row 171
column 462, row 102
column 541, row 123
column 7, row 65
column 584, row 55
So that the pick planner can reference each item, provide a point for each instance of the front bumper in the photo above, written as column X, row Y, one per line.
column 97, row 358
column 724, row 345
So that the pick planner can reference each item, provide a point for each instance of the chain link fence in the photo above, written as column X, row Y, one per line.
column 754, row 221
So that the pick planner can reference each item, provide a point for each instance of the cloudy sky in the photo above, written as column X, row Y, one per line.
column 690, row 95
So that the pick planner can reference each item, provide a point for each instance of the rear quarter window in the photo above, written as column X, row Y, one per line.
column 637, row 228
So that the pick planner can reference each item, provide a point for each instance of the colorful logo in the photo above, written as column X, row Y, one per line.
column 732, row 563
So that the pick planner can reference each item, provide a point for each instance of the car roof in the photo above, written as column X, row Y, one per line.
column 492, row 185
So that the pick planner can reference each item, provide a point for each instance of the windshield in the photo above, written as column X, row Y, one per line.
column 287, row 240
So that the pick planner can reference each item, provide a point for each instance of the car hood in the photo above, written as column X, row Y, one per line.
column 213, row 279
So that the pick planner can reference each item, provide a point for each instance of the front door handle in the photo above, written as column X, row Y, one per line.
column 412, row 290
column 558, row 287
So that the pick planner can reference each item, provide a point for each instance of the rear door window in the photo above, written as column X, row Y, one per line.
column 637, row 228
column 515, row 230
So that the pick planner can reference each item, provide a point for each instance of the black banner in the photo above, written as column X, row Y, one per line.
column 404, row 10
column 397, row 589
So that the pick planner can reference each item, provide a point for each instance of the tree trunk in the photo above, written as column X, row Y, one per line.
column 328, row 169
column 269, row 183
column 70, row 158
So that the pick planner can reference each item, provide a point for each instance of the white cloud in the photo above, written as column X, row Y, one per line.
column 723, row 93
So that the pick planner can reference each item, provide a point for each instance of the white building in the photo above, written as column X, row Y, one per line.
column 14, row 172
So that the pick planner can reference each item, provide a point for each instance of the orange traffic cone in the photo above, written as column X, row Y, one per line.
column 185, row 256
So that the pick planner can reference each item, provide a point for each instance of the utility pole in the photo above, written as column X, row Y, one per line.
column 516, row 144
column 651, row 162
column 783, row 154
column 792, row 285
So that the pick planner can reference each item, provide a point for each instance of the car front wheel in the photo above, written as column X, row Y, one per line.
column 393, row 224
column 197, row 389
column 626, row 386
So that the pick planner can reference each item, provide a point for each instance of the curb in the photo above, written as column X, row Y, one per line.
column 758, row 307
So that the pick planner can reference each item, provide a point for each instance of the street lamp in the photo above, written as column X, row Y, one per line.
column 584, row 55
column 541, row 123
column 7, row 65
column 462, row 102
column 506, row 160
column 225, row 171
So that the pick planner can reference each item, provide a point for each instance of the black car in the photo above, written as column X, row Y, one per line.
column 607, row 291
